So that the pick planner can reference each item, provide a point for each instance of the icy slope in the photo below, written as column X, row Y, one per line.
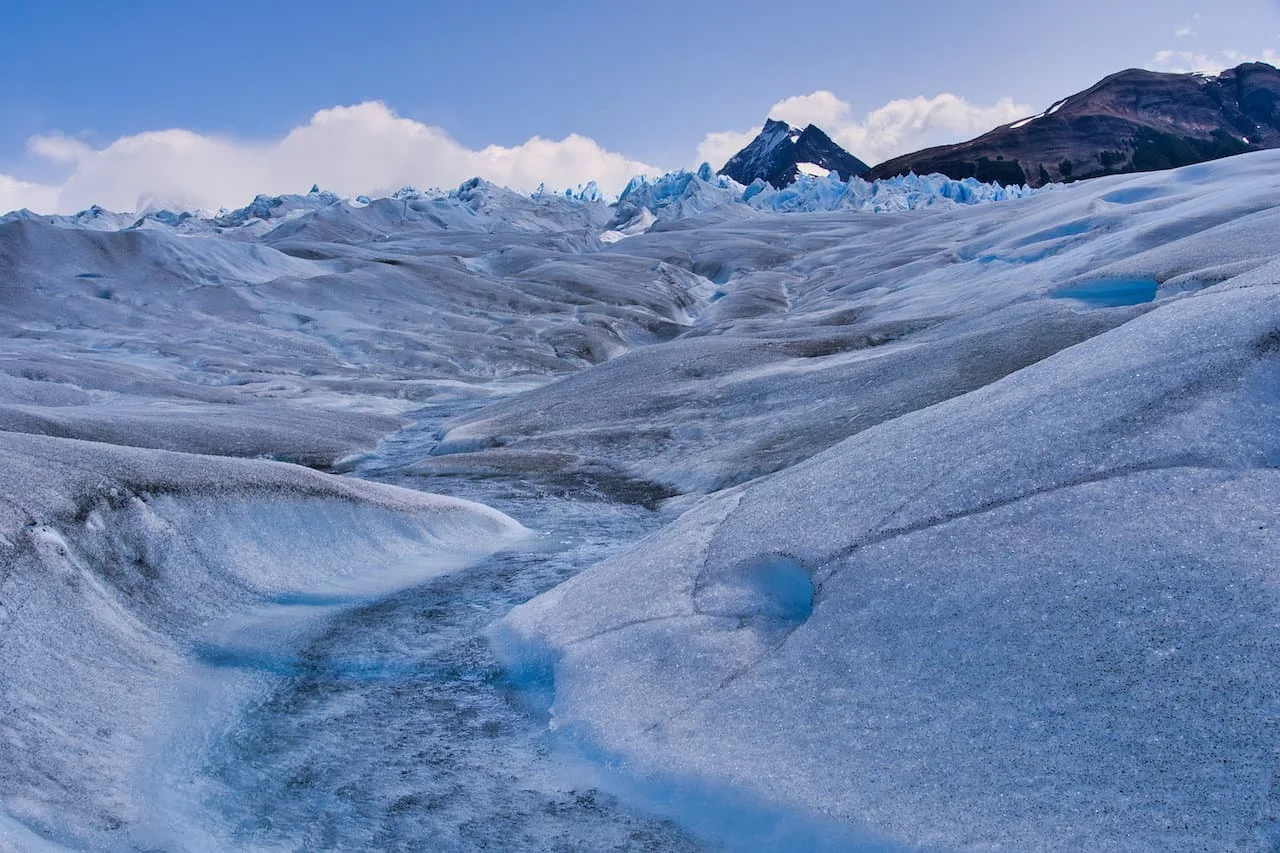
column 842, row 322
column 149, row 601
column 1039, row 615
column 301, row 350
column 118, row 565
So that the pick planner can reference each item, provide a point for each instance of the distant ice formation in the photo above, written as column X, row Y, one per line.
column 480, row 205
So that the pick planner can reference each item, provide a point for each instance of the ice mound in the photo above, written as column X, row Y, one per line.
column 844, row 321
column 1043, row 610
column 114, row 565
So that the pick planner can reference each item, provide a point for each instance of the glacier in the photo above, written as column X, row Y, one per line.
column 912, row 515
column 477, row 204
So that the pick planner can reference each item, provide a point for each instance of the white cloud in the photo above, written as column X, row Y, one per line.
column 822, row 108
column 365, row 148
column 898, row 127
column 909, row 124
column 1188, row 61
column 716, row 148
column 1189, row 31
column 57, row 148
column 16, row 194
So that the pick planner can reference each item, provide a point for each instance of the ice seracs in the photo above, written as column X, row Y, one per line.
column 680, row 195
column 477, row 205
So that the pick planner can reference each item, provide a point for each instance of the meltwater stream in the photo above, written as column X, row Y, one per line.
column 385, row 724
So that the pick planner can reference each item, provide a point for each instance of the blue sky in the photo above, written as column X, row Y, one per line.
column 647, row 82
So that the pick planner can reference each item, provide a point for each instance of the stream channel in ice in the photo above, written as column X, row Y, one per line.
column 386, row 723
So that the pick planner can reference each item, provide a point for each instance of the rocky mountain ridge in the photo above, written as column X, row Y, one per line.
column 1131, row 121
column 781, row 153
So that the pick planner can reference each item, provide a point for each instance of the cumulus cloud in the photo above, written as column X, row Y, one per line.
column 716, row 148
column 365, row 148
column 57, row 148
column 822, row 108
column 898, row 127
column 908, row 124
column 1200, row 62
column 15, row 194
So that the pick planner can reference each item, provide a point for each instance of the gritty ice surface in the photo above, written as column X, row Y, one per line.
column 917, row 515
column 1044, row 611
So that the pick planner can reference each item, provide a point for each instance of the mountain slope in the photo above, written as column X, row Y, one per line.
column 1132, row 121
column 779, row 154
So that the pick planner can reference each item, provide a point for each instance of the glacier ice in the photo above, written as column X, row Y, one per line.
column 842, row 516
column 1044, row 608
column 479, row 205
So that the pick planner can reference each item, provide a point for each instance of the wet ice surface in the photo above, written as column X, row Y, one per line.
column 393, row 726
column 1111, row 293
column 382, row 724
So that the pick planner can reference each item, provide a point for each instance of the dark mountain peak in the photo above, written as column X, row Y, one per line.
column 777, row 154
column 1131, row 121
column 814, row 135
